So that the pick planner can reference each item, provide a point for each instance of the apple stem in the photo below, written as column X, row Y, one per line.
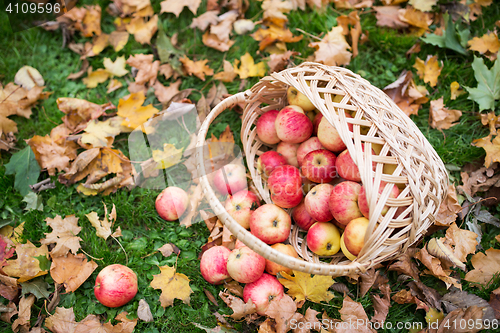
column 126, row 255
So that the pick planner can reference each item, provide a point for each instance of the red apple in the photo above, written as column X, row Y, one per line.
column 316, row 121
column 295, row 97
column 344, row 202
column 230, row 179
column 363, row 203
column 213, row 264
column 268, row 161
column 317, row 200
column 285, row 185
column 346, row 167
column 274, row 268
column 115, row 285
column 244, row 265
column 238, row 244
column 262, row 292
column 171, row 203
column 329, row 136
column 307, row 185
column 306, row 147
column 319, row 166
column 292, row 125
column 266, row 130
column 354, row 235
column 271, row 224
column 289, row 151
column 241, row 205
column 301, row 217
column 323, row 238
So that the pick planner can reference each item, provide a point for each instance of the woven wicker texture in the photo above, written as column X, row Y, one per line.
column 378, row 124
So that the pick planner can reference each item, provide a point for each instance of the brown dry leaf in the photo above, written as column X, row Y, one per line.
column 491, row 147
column 248, row 67
column 175, row 7
column 195, row 194
column 352, row 312
column 472, row 314
column 381, row 304
column 405, row 297
column 206, row 19
column 133, row 112
column 488, row 44
column 281, row 311
column 99, row 43
column 197, row 68
column 307, row 322
column 275, row 10
column 103, row 228
column 148, row 69
column 455, row 90
column 173, row 285
column 240, row 308
column 22, row 323
column 63, row 234
column 429, row 70
column 53, row 154
column 167, row 71
column 79, row 74
column 302, row 286
column 223, row 29
column 495, row 302
column 165, row 94
column 436, row 268
column 228, row 75
column 406, row 266
column 406, row 94
column 423, row 5
column 214, row 42
column 388, row 16
column 369, row 279
column 6, row 316
column 90, row 24
column 416, row 18
column 333, row 48
column 486, row 265
column 351, row 25
column 143, row 30
column 449, row 208
column 26, row 266
column 62, row 321
column 144, row 312
column 92, row 324
column 72, row 270
column 79, row 112
column 100, row 133
column 272, row 34
column 278, row 62
column 441, row 117
column 118, row 39
column 8, row 287
column 169, row 248
column 464, row 241
column 438, row 249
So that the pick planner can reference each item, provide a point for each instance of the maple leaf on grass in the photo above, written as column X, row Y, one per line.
column 491, row 147
column 118, row 39
column 214, row 42
column 486, row 265
column 246, row 67
column 302, row 286
column 228, row 75
column 197, row 68
column 205, row 20
column 416, row 18
column 488, row 44
column 405, row 296
column 442, row 117
column 224, row 27
column 272, row 34
column 429, row 70
column 388, row 16
column 133, row 112
column 353, row 312
column 278, row 62
column 455, row 90
column 79, row 111
column 281, row 311
column 175, row 7
column 103, row 228
column 143, row 30
column 472, row 314
column 165, row 94
column 488, row 87
column 148, row 69
column 9, row 288
column 448, row 38
column 100, row 133
column 62, row 321
column 22, row 323
column 116, row 68
column 240, row 308
column 351, row 25
column 406, row 94
column 63, row 234
column 167, row 157
column 27, row 264
column 173, row 285
column 95, row 77
column 52, row 154
column 333, row 49
column 275, row 10
column 437, row 269
column 24, row 166
column 72, row 270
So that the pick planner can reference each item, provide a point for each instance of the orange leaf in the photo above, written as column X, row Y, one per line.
column 352, row 312
column 272, row 34
column 197, row 68
column 79, row 112
column 441, row 117
column 165, row 94
column 428, row 70
column 487, row 44
column 26, row 266
column 72, row 270
column 133, row 112
column 148, row 69
column 492, row 148
column 143, row 30
column 214, row 42
column 486, row 265
column 228, row 74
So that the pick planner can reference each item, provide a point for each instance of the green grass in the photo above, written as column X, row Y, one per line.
column 381, row 59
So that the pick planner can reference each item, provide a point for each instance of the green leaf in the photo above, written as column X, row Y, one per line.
column 448, row 39
column 488, row 84
column 167, row 51
column 24, row 165
column 44, row 262
column 37, row 287
column 33, row 201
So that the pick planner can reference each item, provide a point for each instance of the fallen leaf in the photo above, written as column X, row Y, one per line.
column 486, row 265
column 423, row 5
column 455, row 90
column 62, row 321
column 103, row 228
column 99, row 43
column 195, row 194
column 28, row 77
column 302, row 286
column 72, row 270
column 488, row 44
column 275, row 10
column 243, row 26
column 173, row 285
column 405, row 296
column 494, row 302
column 169, row 248
column 427, row 294
column 144, row 312
column 116, row 68
column 472, row 314
column 148, row 69
column 439, row 250
column 52, row 153
column 369, row 279
column 92, row 324
column 415, row 18
column 10, row 311
column 225, row 25
column 406, row 266
column 281, row 311
column 464, row 242
column 429, row 70
column 118, row 39
column 436, row 268
column 488, row 88
column 37, row 287
column 381, row 306
column 143, row 30
column 351, row 25
column 388, row 16
column 63, row 234
column 441, row 117
column 214, row 42
column 175, row 7
column 133, row 112
column 91, row 23
column 248, row 68
column 279, row 62
column 406, row 94
column 197, row 68
column 240, row 308
column 491, row 147
column 79, row 74
column 95, row 77
column 353, row 312
column 457, row 299
column 24, row 166
column 22, row 322
column 272, row 34
column 27, row 264
column 100, row 133
column 205, row 20
column 8, row 287
column 167, row 157
column 165, row 94
column 448, row 38
column 333, row 48
column 167, row 71
column 6, row 249
column 79, row 111
column 228, row 75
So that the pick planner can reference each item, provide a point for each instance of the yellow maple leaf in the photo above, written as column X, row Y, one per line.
column 248, row 67
column 167, row 157
column 228, row 74
column 103, row 228
column 487, row 44
column 71, row 270
column 116, row 68
column 486, row 265
column 197, row 68
column 133, row 112
column 333, row 48
column 95, row 77
column 143, row 30
column 63, row 234
column 173, row 285
column 492, row 148
column 26, row 266
column 91, row 23
column 99, row 43
column 274, row 33
column 100, row 133
column 429, row 70
column 302, row 286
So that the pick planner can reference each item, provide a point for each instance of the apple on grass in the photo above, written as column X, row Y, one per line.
column 171, row 203
column 274, row 268
column 343, row 202
column 329, row 136
column 363, row 202
column 308, row 146
column 354, row 235
column 319, row 166
column 241, row 205
column 346, row 167
column 244, row 265
column 115, row 285
column 213, row 264
column 317, row 202
column 323, row 239
column 269, row 161
column 289, row 151
column 301, row 217
column 285, row 185
column 271, row 224
column 295, row 97
column 266, row 130
column 292, row 125
column 262, row 292
column 230, row 179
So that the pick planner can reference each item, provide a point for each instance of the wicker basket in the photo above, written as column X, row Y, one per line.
column 378, row 122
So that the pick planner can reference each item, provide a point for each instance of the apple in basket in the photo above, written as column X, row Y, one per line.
column 274, row 268
column 319, row 166
column 329, row 136
column 213, row 264
column 354, row 235
column 115, row 285
column 346, row 167
column 363, row 203
column 262, row 292
column 285, row 185
column 244, row 265
column 316, row 121
column 308, row 146
column 295, row 97
column 266, row 130
column 317, row 202
column 241, row 205
column 323, row 238
column 301, row 217
column 230, row 179
column 289, row 151
column 271, row 224
column 292, row 125
column 269, row 161
column 346, row 252
column 171, row 203
column 343, row 202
